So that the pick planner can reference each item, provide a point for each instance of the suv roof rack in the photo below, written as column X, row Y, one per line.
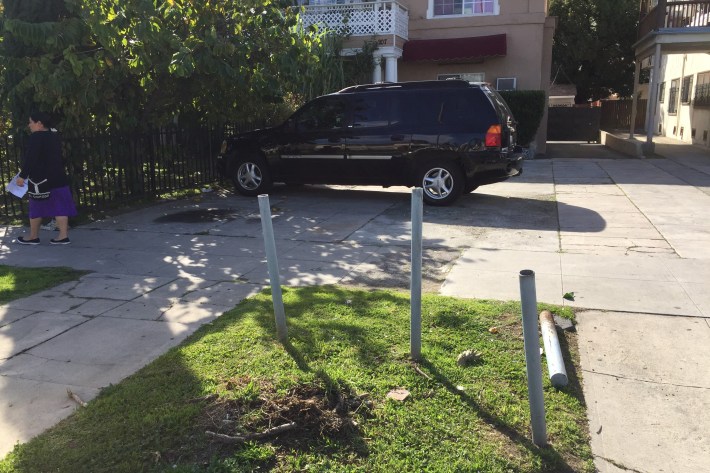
column 422, row 84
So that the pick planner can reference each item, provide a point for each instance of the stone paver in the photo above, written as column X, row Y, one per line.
column 27, row 332
column 648, row 400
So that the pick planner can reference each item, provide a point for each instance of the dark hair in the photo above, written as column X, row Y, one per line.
column 41, row 117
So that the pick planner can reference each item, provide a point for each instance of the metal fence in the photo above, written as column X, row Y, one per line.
column 113, row 169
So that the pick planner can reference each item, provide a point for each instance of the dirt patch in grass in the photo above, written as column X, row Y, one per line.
column 309, row 414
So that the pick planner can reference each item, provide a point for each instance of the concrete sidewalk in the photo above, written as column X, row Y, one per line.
column 626, row 236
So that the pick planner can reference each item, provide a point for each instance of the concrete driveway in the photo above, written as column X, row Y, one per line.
column 628, row 237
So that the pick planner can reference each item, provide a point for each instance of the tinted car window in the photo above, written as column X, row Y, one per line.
column 498, row 101
column 466, row 112
column 371, row 111
column 321, row 115
column 421, row 110
column 452, row 111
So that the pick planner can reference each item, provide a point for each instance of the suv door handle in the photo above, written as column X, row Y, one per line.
column 397, row 137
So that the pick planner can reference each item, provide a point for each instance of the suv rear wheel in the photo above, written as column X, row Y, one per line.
column 442, row 182
column 251, row 175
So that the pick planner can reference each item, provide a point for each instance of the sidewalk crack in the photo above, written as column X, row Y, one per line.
column 645, row 380
column 620, row 466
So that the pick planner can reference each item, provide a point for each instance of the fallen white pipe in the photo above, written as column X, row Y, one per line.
column 555, row 362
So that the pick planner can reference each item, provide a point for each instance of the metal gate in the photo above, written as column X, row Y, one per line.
column 573, row 123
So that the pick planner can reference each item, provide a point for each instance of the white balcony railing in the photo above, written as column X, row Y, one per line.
column 359, row 19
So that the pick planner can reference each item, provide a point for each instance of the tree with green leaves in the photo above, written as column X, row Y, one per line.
column 593, row 46
column 29, row 42
column 140, row 63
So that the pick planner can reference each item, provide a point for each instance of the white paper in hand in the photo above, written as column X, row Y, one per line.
column 14, row 189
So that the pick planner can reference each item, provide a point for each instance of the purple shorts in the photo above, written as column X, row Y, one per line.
column 59, row 204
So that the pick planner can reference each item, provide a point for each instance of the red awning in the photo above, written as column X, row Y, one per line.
column 454, row 49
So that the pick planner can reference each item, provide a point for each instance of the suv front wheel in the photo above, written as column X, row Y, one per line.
column 441, row 181
column 251, row 175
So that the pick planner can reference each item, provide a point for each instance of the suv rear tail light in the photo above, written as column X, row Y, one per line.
column 493, row 136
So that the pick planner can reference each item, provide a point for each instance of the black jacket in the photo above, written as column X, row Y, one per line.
column 42, row 160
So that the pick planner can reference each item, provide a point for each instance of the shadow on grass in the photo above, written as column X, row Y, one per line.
column 548, row 452
column 306, row 342
column 368, row 351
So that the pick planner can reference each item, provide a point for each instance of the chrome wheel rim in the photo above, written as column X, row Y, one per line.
column 438, row 183
column 249, row 176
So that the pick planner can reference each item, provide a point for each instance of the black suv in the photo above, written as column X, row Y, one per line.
column 447, row 137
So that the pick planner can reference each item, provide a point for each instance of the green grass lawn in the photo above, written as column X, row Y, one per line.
column 347, row 350
column 16, row 283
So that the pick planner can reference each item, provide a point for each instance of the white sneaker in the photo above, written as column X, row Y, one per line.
column 52, row 225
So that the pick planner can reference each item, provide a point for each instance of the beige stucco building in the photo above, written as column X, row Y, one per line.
column 673, row 48
column 507, row 43
column 683, row 106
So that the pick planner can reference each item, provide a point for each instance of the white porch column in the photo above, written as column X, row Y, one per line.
column 653, row 96
column 390, row 68
column 635, row 101
column 377, row 70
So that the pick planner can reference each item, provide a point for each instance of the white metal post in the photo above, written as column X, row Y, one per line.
column 528, row 302
column 416, row 277
column 270, row 248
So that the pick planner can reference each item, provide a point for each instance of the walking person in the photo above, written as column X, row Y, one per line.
column 48, row 184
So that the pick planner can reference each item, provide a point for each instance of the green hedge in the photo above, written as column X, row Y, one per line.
column 527, row 107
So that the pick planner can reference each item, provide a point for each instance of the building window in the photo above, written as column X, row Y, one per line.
column 506, row 83
column 673, row 97
column 685, row 89
column 467, row 76
column 661, row 92
column 702, row 90
column 462, row 7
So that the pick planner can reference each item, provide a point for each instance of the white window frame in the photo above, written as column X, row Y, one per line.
column 430, row 12
column 467, row 76
column 514, row 79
